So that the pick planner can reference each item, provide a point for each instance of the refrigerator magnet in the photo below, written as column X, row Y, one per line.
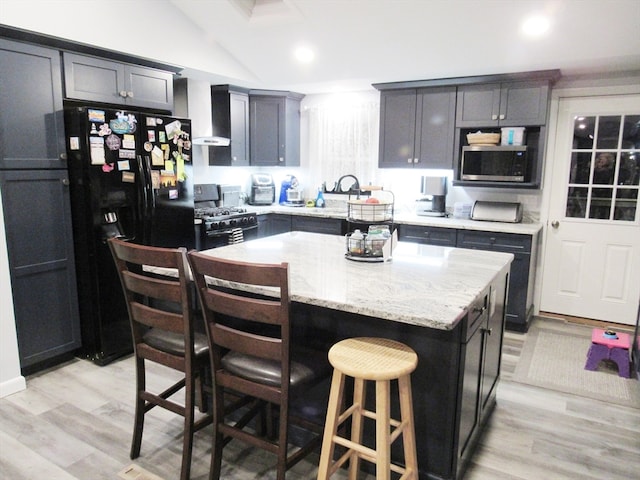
column 151, row 134
column 113, row 142
column 94, row 130
column 166, row 150
column 162, row 138
column 74, row 143
column 173, row 129
column 173, row 194
column 131, row 154
column 128, row 141
column 96, row 115
column 157, row 157
column 104, row 130
column 151, row 121
column 155, row 179
column 123, row 165
column 147, row 146
column 128, row 177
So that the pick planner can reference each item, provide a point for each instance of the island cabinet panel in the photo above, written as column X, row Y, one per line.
column 95, row 79
column 417, row 127
column 445, row 237
column 453, row 386
column 520, row 303
column 508, row 104
column 332, row 226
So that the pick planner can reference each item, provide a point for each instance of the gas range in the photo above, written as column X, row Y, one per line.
column 218, row 219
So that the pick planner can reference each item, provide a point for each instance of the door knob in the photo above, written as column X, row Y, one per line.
column 555, row 224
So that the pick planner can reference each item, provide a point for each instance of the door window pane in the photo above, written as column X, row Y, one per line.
column 580, row 167
column 631, row 132
column 626, row 204
column 629, row 168
column 608, row 132
column 604, row 168
column 601, row 199
column 584, row 129
column 577, row 202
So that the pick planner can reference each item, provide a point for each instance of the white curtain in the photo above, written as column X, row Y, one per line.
column 343, row 139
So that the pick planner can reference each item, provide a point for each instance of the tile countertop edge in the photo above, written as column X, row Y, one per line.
column 524, row 228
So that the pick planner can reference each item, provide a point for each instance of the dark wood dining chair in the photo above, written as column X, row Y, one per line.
column 253, row 362
column 162, row 323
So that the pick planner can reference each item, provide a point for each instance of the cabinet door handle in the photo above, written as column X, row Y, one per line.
column 63, row 156
column 416, row 160
column 409, row 160
column 281, row 159
column 488, row 331
column 65, row 182
column 555, row 224
column 130, row 94
column 494, row 117
column 123, row 93
column 502, row 116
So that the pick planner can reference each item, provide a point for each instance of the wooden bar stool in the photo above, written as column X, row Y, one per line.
column 380, row 360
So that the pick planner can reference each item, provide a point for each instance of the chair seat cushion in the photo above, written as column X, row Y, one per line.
column 173, row 343
column 306, row 365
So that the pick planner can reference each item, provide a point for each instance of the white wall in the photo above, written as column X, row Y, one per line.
column 11, row 380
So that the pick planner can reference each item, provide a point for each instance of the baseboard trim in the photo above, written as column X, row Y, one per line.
column 12, row 386
column 587, row 321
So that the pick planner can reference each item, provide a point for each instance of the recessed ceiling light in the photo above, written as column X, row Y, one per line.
column 304, row 54
column 536, row 26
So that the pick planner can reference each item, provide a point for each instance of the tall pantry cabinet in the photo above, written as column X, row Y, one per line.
column 35, row 194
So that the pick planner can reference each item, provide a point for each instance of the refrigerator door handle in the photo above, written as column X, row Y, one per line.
column 145, row 203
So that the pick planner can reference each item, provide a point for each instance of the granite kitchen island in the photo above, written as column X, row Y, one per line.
column 448, row 304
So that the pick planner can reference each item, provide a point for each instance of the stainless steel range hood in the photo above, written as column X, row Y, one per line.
column 212, row 141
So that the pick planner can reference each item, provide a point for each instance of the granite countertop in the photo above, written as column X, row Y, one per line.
column 422, row 285
column 526, row 227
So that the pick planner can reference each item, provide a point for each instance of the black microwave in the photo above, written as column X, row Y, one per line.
column 494, row 163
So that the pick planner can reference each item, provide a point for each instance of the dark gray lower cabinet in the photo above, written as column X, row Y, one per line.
column 37, row 218
column 272, row 224
column 520, row 303
column 445, row 237
column 333, row 226
column 275, row 223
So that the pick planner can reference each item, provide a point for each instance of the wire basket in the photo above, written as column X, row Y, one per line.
column 362, row 210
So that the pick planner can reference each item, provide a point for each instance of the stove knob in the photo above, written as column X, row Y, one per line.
column 233, row 222
column 253, row 220
column 215, row 225
column 244, row 220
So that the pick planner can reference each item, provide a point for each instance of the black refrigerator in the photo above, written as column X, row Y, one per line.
column 130, row 176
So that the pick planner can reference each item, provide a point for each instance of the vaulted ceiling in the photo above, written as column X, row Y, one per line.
column 356, row 42
column 359, row 42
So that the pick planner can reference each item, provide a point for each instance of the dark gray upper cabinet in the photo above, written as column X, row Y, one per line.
column 274, row 128
column 106, row 81
column 31, row 115
column 230, row 119
column 506, row 104
column 417, row 127
column 37, row 216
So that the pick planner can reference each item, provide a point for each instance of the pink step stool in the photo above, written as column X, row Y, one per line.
column 607, row 348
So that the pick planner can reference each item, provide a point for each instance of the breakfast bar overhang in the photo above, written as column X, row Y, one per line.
column 448, row 304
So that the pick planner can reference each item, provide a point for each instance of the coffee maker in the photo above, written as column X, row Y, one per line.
column 434, row 197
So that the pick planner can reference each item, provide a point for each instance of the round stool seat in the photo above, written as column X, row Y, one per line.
column 373, row 358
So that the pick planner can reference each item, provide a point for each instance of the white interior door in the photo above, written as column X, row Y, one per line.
column 592, row 251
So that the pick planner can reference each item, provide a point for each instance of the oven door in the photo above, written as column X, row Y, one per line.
column 221, row 238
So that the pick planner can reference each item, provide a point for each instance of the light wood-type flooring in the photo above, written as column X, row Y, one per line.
column 75, row 422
